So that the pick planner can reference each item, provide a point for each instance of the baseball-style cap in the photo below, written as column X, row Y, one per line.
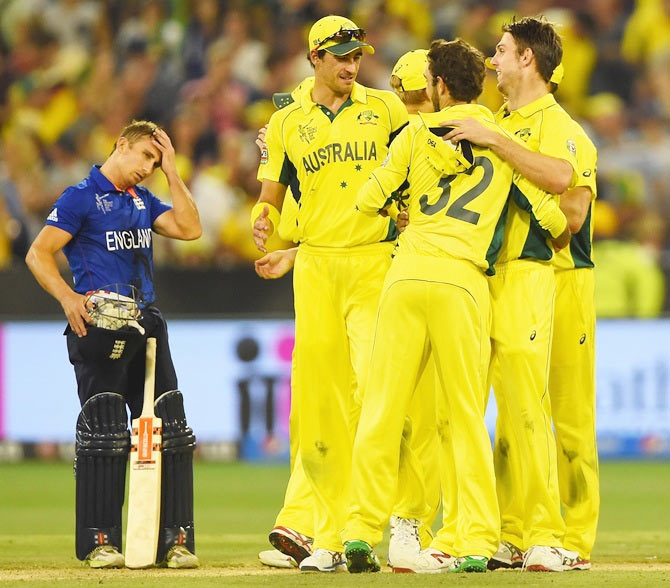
column 337, row 35
column 410, row 68
column 556, row 76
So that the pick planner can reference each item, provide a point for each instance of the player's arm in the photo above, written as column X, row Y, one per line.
column 41, row 259
column 276, row 264
column 265, row 214
column 276, row 174
column 544, row 208
column 549, row 173
column 182, row 221
column 375, row 196
column 575, row 205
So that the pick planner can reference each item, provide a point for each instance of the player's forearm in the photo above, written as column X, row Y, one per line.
column 548, row 173
column 549, row 216
column 186, row 214
column 43, row 266
column 575, row 205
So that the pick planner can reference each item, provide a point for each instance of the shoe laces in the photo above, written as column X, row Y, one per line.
column 405, row 531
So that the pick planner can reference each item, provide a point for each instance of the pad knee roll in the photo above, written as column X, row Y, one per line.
column 176, row 525
column 101, row 453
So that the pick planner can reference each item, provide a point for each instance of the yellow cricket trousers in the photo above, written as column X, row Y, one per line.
column 336, row 291
column 424, row 442
column 573, row 405
column 439, row 306
column 297, row 512
column 522, row 300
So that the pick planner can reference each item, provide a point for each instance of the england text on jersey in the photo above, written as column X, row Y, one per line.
column 135, row 239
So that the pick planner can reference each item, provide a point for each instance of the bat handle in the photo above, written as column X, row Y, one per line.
column 149, row 377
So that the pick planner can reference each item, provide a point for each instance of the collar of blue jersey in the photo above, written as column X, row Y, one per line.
column 103, row 182
column 358, row 94
column 530, row 109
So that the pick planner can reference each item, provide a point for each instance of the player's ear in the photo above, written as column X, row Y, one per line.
column 122, row 144
column 314, row 56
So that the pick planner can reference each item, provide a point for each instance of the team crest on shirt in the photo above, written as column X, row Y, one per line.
column 103, row 205
column 572, row 148
column 307, row 131
column 523, row 134
column 367, row 117
column 139, row 203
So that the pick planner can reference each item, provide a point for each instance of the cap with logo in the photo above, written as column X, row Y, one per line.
column 410, row 68
column 337, row 35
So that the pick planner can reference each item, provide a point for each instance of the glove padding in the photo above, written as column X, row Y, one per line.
column 110, row 310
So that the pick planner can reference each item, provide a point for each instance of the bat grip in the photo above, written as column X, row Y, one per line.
column 149, row 378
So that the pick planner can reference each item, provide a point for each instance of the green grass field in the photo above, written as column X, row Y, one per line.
column 236, row 505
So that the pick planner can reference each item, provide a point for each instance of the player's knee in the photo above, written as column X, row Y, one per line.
column 178, row 437
column 102, row 426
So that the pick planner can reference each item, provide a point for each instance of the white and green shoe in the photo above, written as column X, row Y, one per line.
column 105, row 556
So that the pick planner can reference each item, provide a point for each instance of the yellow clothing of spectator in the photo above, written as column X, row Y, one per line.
column 647, row 32
column 629, row 282
column 579, row 59
column 416, row 14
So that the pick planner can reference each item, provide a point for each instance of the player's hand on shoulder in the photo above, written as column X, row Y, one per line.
column 276, row 264
column 74, row 306
column 467, row 128
column 403, row 220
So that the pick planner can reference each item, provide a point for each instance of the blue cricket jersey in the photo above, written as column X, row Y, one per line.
column 111, row 234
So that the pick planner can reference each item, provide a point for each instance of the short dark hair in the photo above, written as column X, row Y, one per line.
column 460, row 65
column 319, row 52
column 540, row 36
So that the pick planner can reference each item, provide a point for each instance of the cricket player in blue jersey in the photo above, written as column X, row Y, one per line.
column 104, row 226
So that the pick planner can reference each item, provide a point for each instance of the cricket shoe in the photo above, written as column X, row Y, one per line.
column 540, row 558
column 323, row 560
column 179, row 557
column 276, row 559
column 360, row 557
column 507, row 556
column 405, row 543
column 573, row 561
column 105, row 556
column 291, row 543
column 428, row 561
column 470, row 563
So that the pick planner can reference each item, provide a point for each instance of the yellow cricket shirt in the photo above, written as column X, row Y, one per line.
column 456, row 207
column 543, row 126
column 578, row 254
column 326, row 157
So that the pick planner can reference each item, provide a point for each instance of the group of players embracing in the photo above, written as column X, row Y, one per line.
column 460, row 263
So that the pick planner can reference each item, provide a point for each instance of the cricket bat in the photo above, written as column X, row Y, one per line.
column 144, row 494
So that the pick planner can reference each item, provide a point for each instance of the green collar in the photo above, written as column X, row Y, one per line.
column 331, row 116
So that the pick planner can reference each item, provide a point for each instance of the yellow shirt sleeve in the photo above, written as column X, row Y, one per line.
column 398, row 115
column 277, row 162
column 559, row 139
column 587, row 158
column 375, row 194
column 544, row 207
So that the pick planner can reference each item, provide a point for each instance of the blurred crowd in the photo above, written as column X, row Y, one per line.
column 73, row 73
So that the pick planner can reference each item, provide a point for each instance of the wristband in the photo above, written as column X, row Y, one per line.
column 273, row 214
